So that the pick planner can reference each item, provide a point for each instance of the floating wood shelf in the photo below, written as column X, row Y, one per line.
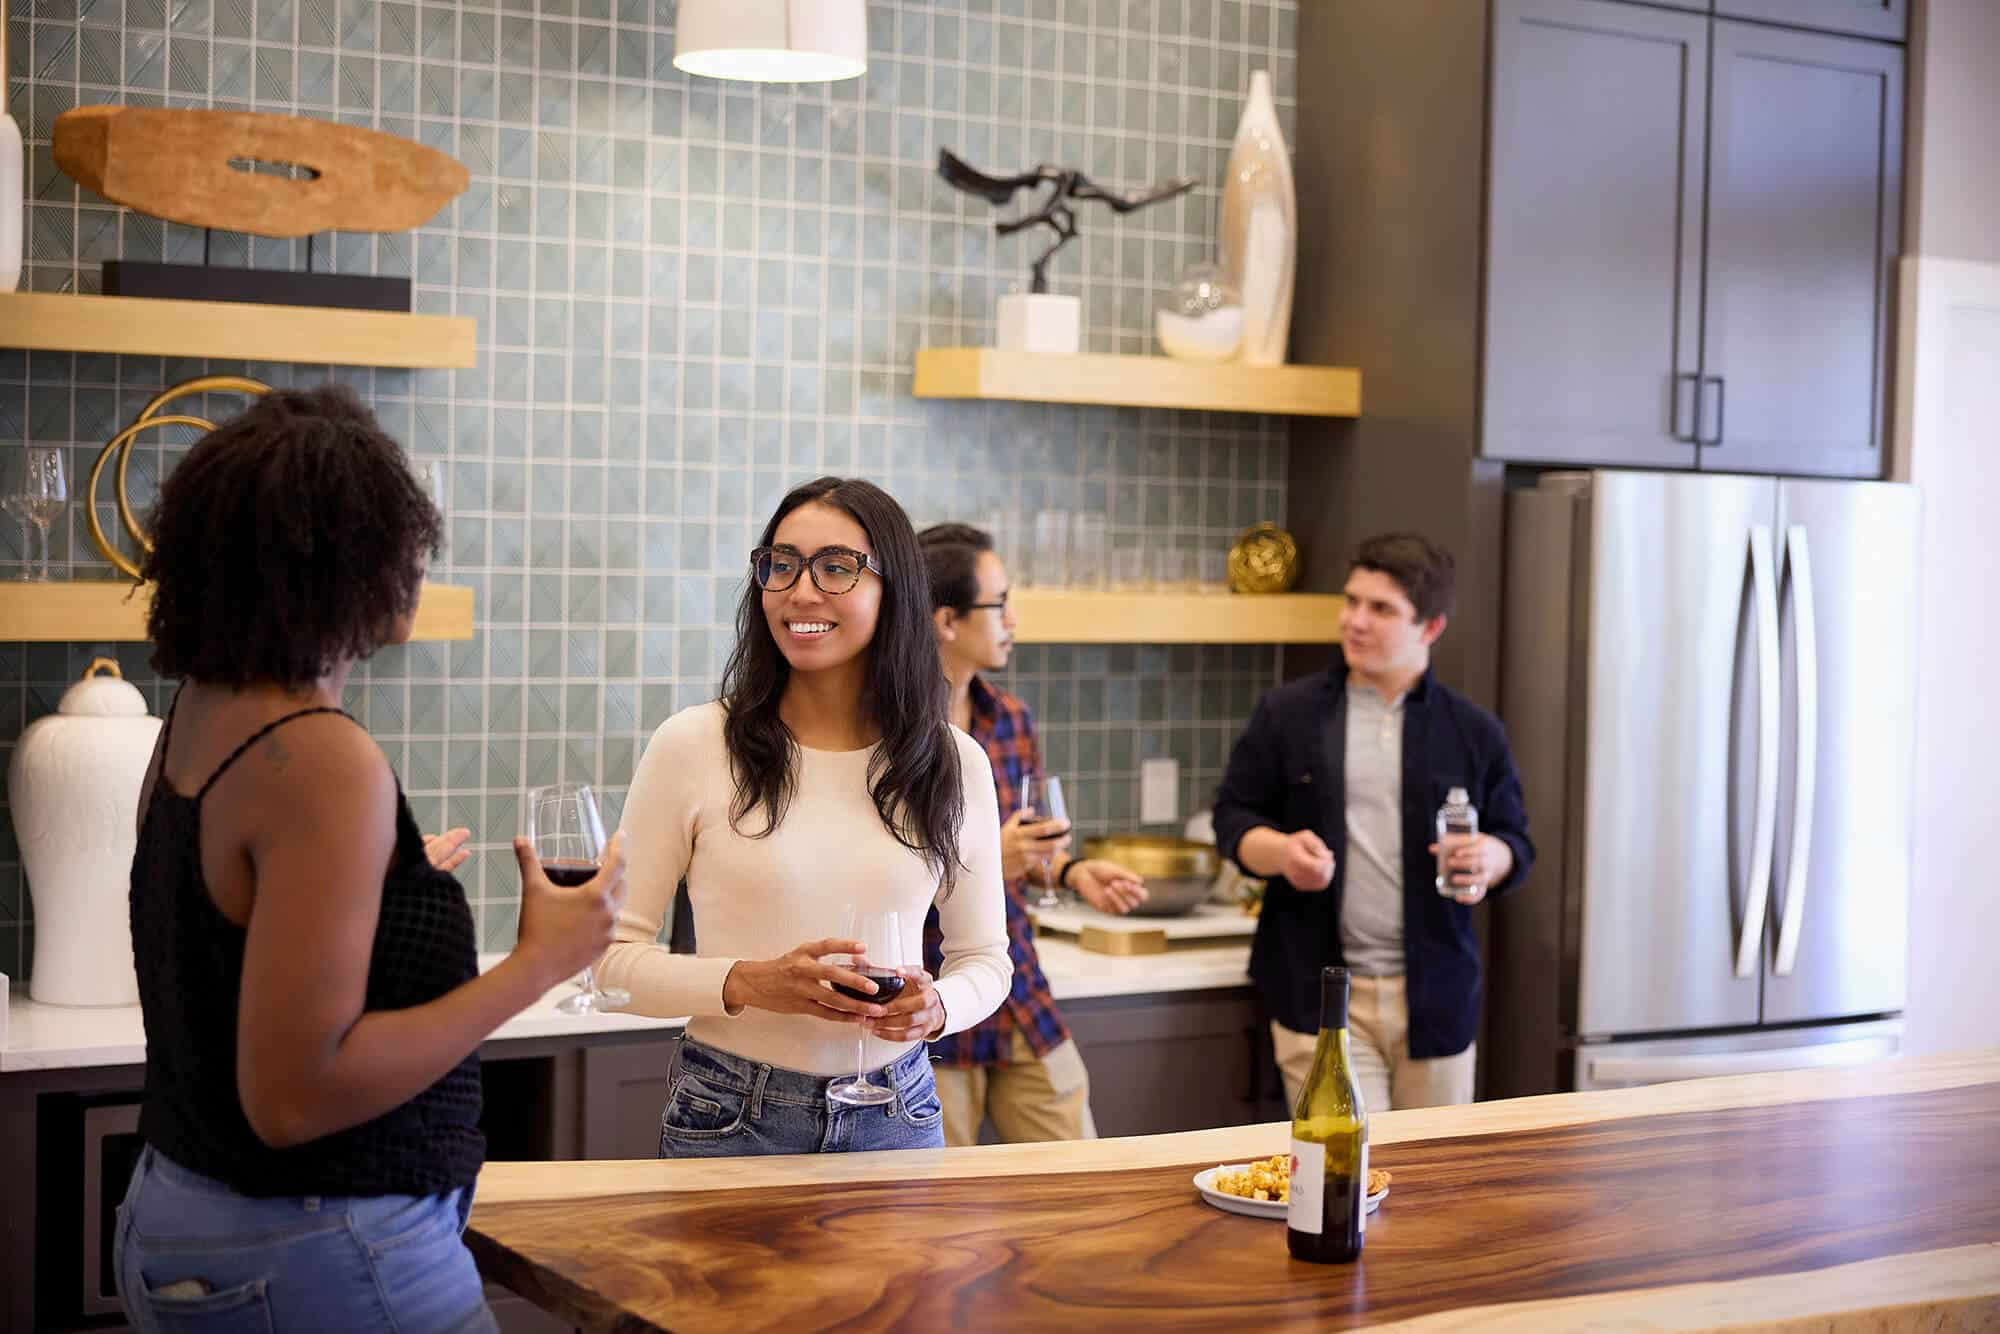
column 1137, row 382
column 90, row 611
column 1059, row 616
column 143, row 326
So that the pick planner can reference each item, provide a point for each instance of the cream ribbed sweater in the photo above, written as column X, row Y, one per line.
column 756, row 898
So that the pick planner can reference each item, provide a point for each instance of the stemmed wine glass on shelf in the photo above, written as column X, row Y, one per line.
column 567, row 834
column 1042, row 796
column 34, row 490
column 881, row 962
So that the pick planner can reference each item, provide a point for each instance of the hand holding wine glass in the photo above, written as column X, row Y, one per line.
column 564, row 844
column 880, row 935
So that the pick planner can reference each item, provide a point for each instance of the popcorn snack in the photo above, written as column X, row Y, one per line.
column 1270, row 1179
column 1266, row 1179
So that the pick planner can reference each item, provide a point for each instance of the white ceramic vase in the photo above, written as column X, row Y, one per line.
column 74, row 791
column 1260, row 226
column 13, row 180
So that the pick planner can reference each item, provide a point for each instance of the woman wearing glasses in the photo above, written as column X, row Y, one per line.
column 826, row 779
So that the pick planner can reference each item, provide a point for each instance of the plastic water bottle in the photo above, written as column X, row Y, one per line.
column 1457, row 821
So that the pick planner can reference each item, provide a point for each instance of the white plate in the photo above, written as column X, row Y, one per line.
column 1204, row 1181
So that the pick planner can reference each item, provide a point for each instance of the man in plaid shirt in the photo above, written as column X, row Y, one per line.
column 1019, row 1067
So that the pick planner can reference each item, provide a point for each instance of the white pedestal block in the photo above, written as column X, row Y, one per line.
column 1040, row 322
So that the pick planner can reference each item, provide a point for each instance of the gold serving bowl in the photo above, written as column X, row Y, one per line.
column 1178, row 871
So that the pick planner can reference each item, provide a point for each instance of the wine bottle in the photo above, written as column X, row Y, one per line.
column 1327, row 1215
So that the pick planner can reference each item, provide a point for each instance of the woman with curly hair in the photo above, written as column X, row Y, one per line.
column 312, row 1000
column 826, row 777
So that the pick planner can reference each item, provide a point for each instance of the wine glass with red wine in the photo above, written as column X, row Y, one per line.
column 881, row 962
column 568, row 837
column 1042, row 797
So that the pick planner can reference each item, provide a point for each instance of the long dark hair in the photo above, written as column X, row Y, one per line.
column 913, row 775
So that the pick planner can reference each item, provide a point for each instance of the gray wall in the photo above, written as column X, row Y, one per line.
column 1954, row 158
column 1948, row 447
column 690, row 295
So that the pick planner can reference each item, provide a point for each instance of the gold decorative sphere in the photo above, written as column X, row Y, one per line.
column 1264, row 559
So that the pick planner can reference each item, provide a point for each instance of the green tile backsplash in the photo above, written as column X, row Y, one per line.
column 690, row 296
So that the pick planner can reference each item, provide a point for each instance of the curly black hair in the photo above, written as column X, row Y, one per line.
column 288, row 540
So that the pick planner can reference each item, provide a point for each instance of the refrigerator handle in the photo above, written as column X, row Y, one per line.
column 1763, row 834
column 1806, row 755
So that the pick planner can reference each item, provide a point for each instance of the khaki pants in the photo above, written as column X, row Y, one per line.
column 1378, row 1044
column 1030, row 1098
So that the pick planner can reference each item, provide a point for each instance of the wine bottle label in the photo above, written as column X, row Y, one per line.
column 1307, row 1208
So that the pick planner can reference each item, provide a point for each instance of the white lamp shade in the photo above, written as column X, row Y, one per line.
column 772, row 41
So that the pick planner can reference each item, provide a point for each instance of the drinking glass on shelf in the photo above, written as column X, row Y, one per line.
column 34, row 491
column 1049, row 557
column 430, row 476
column 1128, row 569
column 1214, row 571
column 1004, row 527
column 567, row 834
column 1173, row 569
column 1089, row 537
column 1042, row 796
column 881, row 962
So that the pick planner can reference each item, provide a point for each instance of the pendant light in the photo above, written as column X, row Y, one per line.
column 772, row 41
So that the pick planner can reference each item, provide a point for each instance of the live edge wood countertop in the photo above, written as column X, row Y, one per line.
column 1864, row 1199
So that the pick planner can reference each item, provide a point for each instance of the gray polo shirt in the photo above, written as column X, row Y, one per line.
column 1371, row 909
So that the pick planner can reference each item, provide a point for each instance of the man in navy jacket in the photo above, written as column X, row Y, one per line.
column 1332, row 794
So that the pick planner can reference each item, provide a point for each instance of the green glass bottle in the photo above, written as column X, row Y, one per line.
column 1327, row 1218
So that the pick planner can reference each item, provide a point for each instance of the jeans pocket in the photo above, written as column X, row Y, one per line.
column 185, row 1307
column 697, row 1110
column 918, row 1103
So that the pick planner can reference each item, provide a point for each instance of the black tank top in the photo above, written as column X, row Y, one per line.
column 190, row 965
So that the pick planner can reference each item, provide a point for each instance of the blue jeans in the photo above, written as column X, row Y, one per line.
column 722, row 1106
column 192, row 1254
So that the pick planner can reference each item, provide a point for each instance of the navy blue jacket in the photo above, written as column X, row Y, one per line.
column 1288, row 772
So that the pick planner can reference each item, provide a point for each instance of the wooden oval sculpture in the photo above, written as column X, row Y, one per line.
column 179, row 165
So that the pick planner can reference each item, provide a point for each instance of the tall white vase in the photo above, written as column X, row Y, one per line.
column 1260, row 226
column 13, row 180
column 74, row 791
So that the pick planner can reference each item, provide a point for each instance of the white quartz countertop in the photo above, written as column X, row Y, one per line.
column 58, row 1037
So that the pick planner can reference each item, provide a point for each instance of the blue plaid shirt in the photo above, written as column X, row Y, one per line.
column 1001, row 726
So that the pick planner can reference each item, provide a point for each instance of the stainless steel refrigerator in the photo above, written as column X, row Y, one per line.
column 1710, row 686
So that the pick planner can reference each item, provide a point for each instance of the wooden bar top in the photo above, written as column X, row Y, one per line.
column 1864, row 1198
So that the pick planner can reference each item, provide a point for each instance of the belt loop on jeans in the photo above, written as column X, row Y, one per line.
column 757, row 1092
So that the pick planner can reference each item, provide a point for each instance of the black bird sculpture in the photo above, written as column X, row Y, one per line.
column 1066, row 184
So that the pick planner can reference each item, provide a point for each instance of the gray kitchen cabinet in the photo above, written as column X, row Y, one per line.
column 1592, row 338
column 1691, row 241
column 1176, row 1061
column 1804, row 202
column 1886, row 19
column 624, row 1094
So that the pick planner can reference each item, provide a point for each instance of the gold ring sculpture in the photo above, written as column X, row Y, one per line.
column 121, row 445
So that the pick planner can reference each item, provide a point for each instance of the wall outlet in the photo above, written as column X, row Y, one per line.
column 1159, row 791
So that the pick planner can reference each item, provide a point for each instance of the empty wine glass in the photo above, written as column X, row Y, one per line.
column 565, row 830
column 35, row 492
column 430, row 476
column 881, row 962
column 1042, row 795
